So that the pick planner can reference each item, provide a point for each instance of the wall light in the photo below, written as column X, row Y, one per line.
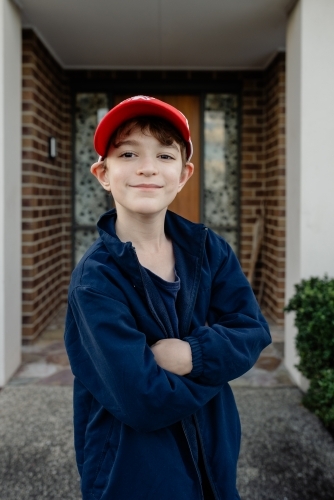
column 52, row 147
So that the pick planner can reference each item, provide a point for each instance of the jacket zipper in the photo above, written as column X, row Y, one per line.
column 200, row 258
column 166, row 335
column 193, row 459
column 204, row 459
column 195, row 419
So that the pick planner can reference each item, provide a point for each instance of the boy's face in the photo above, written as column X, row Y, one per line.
column 143, row 175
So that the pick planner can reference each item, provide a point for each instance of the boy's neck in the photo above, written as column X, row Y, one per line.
column 146, row 232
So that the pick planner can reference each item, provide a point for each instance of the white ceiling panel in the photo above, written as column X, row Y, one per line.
column 159, row 34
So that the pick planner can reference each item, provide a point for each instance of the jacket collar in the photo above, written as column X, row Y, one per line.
column 188, row 242
column 186, row 234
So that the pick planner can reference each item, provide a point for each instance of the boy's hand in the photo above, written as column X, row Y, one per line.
column 173, row 355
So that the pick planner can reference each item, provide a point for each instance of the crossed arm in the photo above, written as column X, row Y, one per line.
column 173, row 355
column 144, row 387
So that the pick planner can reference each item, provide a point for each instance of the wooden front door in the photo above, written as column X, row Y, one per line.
column 187, row 202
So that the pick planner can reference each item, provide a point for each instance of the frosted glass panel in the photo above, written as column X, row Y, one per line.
column 221, row 165
column 90, row 199
column 84, row 238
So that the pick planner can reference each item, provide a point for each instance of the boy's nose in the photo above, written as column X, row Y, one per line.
column 148, row 167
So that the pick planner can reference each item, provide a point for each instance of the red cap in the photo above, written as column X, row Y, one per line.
column 140, row 105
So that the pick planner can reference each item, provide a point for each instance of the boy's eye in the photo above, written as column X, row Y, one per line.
column 166, row 157
column 127, row 154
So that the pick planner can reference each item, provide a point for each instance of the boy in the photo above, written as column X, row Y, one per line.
column 160, row 318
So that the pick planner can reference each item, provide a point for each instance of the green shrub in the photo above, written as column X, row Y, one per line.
column 320, row 397
column 314, row 306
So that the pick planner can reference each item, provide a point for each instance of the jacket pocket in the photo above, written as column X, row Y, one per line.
column 107, row 460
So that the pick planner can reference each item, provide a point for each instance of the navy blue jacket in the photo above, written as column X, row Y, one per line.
column 130, row 415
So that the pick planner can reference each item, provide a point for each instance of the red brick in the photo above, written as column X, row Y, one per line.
column 46, row 186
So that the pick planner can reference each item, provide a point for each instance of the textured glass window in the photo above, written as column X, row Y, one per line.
column 90, row 199
column 221, row 166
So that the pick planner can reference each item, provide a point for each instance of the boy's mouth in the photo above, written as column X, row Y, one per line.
column 146, row 186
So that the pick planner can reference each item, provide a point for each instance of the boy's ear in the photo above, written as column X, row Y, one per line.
column 99, row 171
column 187, row 172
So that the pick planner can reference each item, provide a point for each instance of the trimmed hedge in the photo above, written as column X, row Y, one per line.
column 314, row 306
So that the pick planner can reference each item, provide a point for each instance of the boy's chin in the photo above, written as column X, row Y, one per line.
column 144, row 208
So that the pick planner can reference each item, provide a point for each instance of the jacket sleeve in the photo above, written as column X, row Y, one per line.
column 236, row 333
column 111, row 358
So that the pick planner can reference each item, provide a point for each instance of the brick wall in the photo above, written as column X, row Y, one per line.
column 46, row 186
column 252, row 165
column 273, row 255
column 263, row 182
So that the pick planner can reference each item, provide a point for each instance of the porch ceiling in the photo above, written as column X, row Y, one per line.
column 159, row 34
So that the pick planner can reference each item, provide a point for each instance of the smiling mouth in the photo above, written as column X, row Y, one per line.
column 146, row 186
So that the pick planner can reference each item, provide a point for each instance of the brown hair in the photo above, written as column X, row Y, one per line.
column 160, row 129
